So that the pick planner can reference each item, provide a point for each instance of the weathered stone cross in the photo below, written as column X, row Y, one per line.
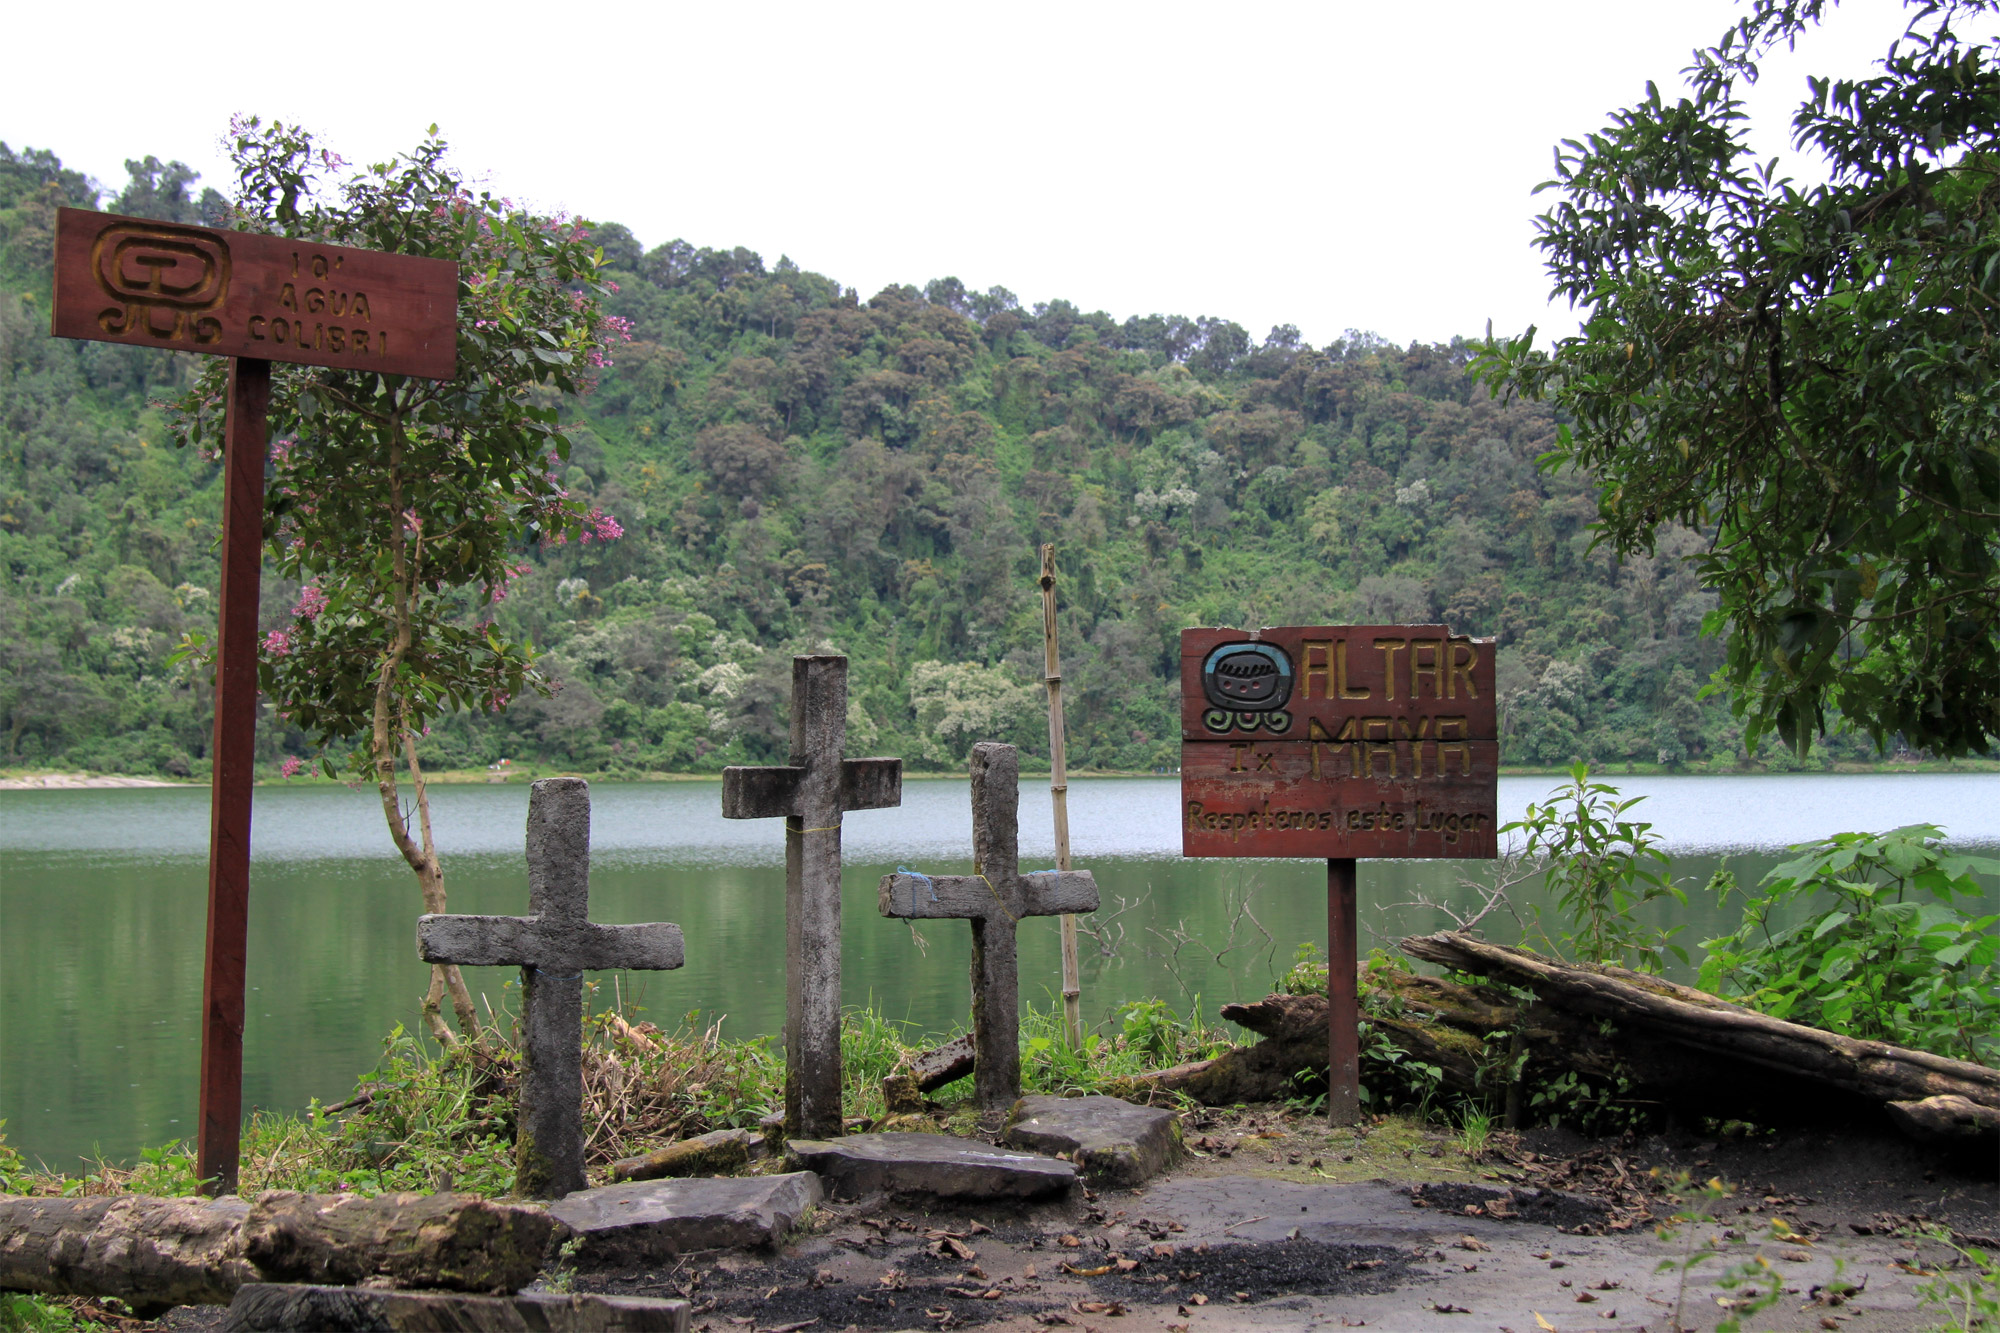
column 812, row 793
column 993, row 898
column 552, row 948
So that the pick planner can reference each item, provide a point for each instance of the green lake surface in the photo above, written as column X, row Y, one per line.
column 103, row 902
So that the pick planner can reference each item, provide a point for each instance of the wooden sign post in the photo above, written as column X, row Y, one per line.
column 1342, row 742
column 256, row 299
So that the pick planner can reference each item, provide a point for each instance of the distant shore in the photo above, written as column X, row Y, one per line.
column 32, row 780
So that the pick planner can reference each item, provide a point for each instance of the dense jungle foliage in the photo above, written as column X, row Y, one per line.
column 797, row 468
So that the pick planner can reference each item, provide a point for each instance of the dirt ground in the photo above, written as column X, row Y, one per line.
column 1273, row 1222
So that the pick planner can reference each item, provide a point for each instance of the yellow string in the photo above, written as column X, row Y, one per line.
column 999, row 900
column 830, row 828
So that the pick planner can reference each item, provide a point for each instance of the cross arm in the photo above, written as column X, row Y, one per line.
column 531, row 941
column 930, row 897
column 1059, row 893
column 772, row 791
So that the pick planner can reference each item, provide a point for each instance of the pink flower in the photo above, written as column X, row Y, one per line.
column 277, row 643
column 293, row 766
column 311, row 602
column 601, row 526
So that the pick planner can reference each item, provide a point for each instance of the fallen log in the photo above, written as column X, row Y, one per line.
column 940, row 1065
column 155, row 1253
column 459, row 1242
column 1662, row 1025
column 150, row 1253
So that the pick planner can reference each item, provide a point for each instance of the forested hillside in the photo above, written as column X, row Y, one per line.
column 797, row 467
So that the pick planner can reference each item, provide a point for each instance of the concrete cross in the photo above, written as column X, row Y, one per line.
column 811, row 793
column 553, row 947
column 993, row 898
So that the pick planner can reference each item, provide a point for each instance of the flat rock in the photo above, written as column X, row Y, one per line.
column 933, row 1164
column 270, row 1305
column 651, row 1220
column 1115, row 1142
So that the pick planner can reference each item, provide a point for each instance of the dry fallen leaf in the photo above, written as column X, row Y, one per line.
column 1359, row 1264
column 1470, row 1243
column 1086, row 1272
column 1125, row 1265
column 1585, row 1298
column 1449, row 1309
column 1069, row 1242
column 1197, row 1299
column 1163, row 1251
column 1542, row 1323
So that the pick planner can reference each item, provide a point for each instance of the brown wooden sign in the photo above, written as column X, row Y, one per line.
column 1338, row 741
column 256, row 299
column 238, row 293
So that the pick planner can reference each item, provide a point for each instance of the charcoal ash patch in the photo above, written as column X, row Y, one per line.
column 1260, row 1271
column 799, row 1289
column 1551, row 1208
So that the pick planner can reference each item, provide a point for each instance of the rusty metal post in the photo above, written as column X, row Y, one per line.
column 233, row 756
column 1343, row 1070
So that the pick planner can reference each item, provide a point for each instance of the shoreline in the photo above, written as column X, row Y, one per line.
column 76, row 780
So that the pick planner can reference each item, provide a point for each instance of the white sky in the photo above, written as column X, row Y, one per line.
column 1340, row 164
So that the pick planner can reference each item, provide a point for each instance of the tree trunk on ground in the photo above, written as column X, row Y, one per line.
column 150, row 1253
column 1736, row 1051
column 458, row 1241
column 1656, row 1044
column 154, row 1253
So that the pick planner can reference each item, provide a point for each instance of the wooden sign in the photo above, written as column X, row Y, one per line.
column 255, row 299
column 1338, row 741
column 236, row 293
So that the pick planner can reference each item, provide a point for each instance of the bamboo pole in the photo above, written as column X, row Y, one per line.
column 1072, row 983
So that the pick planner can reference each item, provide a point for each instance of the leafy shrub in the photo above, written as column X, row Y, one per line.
column 1882, row 952
column 1600, row 866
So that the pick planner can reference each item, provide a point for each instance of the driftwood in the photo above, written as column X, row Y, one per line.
column 156, row 1253
column 1738, row 1051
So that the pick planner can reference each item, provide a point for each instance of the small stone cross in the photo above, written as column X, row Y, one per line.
column 993, row 898
column 812, row 793
column 553, row 947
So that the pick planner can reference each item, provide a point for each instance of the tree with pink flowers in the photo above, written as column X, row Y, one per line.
column 404, row 507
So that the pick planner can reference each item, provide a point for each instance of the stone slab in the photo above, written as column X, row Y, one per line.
column 652, row 1220
column 932, row 1164
column 1115, row 1142
column 268, row 1305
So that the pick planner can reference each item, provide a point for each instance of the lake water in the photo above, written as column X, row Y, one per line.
column 103, row 901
